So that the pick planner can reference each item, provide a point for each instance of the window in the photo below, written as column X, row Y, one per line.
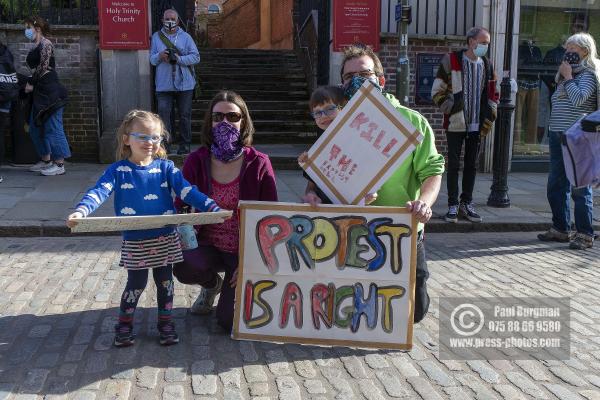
column 214, row 9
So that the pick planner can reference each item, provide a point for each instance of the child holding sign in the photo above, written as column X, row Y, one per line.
column 143, row 181
column 325, row 104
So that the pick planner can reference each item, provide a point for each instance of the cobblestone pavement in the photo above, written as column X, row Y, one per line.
column 59, row 298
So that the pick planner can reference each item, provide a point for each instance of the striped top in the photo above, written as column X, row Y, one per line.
column 578, row 98
column 473, row 78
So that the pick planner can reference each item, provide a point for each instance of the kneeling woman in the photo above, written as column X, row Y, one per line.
column 228, row 169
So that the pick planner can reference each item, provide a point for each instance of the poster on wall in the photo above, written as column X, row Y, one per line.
column 427, row 66
column 331, row 275
column 123, row 24
column 363, row 146
column 356, row 21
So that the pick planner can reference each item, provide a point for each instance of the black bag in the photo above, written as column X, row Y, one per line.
column 9, row 84
column 591, row 122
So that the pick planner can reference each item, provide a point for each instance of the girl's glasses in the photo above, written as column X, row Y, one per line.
column 231, row 116
column 142, row 137
column 324, row 113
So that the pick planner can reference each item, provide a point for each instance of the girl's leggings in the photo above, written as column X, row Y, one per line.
column 136, row 283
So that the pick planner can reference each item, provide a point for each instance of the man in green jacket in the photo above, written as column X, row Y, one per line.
column 416, row 183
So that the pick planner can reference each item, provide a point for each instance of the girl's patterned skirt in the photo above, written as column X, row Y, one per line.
column 151, row 253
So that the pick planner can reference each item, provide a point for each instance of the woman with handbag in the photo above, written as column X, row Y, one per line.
column 49, row 100
column 576, row 95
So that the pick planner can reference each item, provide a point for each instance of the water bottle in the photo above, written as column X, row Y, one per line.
column 187, row 234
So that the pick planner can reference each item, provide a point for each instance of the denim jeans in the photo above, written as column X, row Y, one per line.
column 184, row 107
column 50, row 139
column 559, row 189
column 455, row 144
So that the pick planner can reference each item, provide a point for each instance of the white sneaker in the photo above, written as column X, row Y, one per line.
column 53, row 170
column 40, row 165
column 1, row 179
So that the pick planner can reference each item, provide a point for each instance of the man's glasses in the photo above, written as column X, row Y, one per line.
column 325, row 112
column 142, row 137
column 365, row 73
column 231, row 116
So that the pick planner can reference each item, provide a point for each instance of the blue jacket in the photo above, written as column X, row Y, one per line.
column 144, row 190
column 180, row 78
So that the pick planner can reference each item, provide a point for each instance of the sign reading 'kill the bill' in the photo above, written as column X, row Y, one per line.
column 361, row 148
column 326, row 275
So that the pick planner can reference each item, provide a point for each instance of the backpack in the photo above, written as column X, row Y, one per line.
column 9, row 83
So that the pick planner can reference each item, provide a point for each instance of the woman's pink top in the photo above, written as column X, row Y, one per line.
column 225, row 236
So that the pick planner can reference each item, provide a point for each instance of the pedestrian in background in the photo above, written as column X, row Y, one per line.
column 49, row 100
column 142, row 182
column 9, row 91
column 174, row 54
column 228, row 169
column 576, row 95
column 465, row 91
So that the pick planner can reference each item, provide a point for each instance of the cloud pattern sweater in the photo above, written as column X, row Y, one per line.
column 144, row 190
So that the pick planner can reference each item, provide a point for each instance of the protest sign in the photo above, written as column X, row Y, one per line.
column 326, row 275
column 362, row 147
column 132, row 223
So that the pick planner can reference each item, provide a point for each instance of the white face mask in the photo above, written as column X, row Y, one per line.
column 170, row 25
column 481, row 50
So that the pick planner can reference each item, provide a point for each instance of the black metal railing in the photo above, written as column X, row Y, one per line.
column 56, row 12
column 304, row 10
column 435, row 17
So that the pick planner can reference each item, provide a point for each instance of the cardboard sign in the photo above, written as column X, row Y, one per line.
column 139, row 222
column 356, row 21
column 326, row 275
column 123, row 24
column 362, row 147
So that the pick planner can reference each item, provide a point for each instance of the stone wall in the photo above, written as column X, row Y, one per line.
column 389, row 56
column 76, row 65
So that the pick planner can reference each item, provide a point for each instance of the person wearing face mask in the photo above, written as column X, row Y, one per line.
column 575, row 96
column 416, row 183
column 228, row 169
column 49, row 100
column 174, row 54
column 465, row 91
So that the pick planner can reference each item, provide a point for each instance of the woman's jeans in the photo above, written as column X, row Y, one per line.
column 559, row 189
column 50, row 139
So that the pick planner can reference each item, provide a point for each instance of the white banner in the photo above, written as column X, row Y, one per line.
column 362, row 147
column 326, row 275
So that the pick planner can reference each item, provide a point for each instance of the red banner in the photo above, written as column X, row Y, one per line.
column 356, row 21
column 123, row 24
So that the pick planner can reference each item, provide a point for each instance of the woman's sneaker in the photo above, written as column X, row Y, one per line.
column 554, row 235
column 54, row 169
column 40, row 165
column 204, row 303
column 581, row 241
column 468, row 211
column 167, row 334
column 124, row 336
column 452, row 214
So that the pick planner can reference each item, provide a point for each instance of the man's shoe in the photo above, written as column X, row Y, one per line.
column 40, row 165
column 468, row 211
column 581, row 241
column 124, row 336
column 452, row 214
column 54, row 169
column 554, row 235
column 167, row 334
column 204, row 303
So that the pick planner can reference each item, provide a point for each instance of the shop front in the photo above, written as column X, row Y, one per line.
column 544, row 26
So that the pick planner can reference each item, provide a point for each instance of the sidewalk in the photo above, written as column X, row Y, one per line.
column 34, row 205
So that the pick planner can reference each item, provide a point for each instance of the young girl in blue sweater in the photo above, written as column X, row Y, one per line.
column 144, row 182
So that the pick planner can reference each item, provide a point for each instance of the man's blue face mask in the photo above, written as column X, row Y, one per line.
column 356, row 82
